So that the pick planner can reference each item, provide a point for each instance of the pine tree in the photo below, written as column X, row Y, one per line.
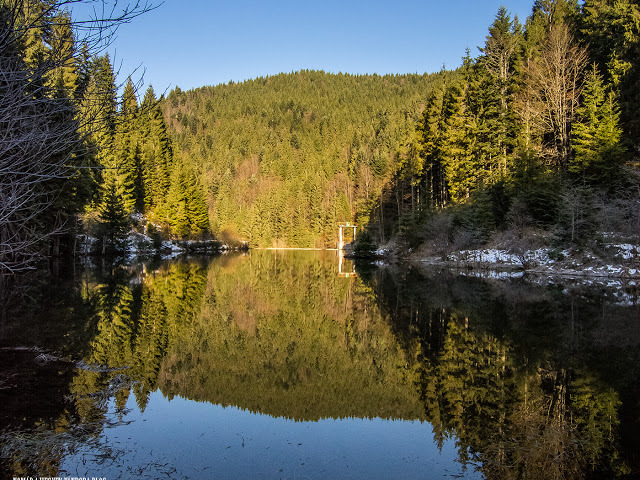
column 34, row 17
column 187, row 210
column 64, row 78
column 83, row 65
column 125, row 168
column 156, row 151
column 456, row 152
column 612, row 31
column 430, row 130
column 496, row 90
column 126, row 152
column 114, row 220
column 129, row 102
column 597, row 134
column 101, row 102
column 556, row 12
column 97, row 118
column 197, row 211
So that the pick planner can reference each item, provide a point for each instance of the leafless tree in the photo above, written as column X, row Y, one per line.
column 40, row 131
column 554, row 84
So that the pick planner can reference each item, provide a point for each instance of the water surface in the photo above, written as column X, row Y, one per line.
column 284, row 364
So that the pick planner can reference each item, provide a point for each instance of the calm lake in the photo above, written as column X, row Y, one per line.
column 301, row 365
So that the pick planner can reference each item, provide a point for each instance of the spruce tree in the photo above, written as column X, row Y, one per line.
column 459, row 164
column 430, row 130
column 125, row 165
column 64, row 78
column 97, row 117
column 156, row 151
column 129, row 108
column 597, row 134
column 127, row 162
column 496, row 91
column 114, row 220
column 102, row 102
column 187, row 210
column 197, row 211
column 612, row 32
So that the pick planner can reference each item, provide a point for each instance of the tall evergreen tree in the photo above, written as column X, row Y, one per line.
column 156, row 151
column 97, row 113
column 611, row 29
column 430, row 129
column 457, row 150
column 556, row 12
column 114, row 219
column 64, row 78
column 498, row 119
column 127, row 162
column 188, row 212
column 597, row 134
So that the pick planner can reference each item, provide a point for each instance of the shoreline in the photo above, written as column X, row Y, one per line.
column 583, row 264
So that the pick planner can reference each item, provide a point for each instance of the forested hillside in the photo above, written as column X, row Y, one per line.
column 534, row 141
column 284, row 158
column 535, row 138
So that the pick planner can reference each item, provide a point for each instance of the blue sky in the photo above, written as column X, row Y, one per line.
column 191, row 43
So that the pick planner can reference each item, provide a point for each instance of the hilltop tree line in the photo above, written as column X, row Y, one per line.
column 537, row 133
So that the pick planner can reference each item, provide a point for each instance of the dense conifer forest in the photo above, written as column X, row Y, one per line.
column 532, row 140
column 284, row 158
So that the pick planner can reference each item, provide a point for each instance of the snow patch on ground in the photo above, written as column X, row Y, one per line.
column 497, row 256
column 626, row 251
column 622, row 261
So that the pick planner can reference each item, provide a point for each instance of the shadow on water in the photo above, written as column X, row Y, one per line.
column 531, row 379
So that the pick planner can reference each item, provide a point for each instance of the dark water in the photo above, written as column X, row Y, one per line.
column 280, row 365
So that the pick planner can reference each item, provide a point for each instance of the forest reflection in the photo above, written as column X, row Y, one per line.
column 530, row 380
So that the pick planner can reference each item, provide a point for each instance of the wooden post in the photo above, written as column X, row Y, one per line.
column 341, row 233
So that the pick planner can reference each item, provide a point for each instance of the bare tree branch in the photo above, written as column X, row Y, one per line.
column 552, row 93
column 42, row 136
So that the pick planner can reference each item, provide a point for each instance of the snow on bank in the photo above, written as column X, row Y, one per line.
column 625, row 251
column 622, row 261
column 496, row 256
column 139, row 244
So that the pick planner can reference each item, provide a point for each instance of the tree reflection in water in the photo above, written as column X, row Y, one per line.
column 523, row 376
column 514, row 371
